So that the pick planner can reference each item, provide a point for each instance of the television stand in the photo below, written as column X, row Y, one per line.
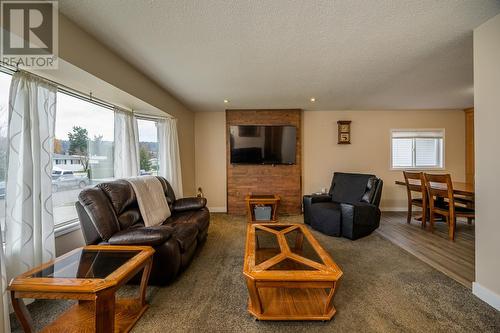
column 271, row 200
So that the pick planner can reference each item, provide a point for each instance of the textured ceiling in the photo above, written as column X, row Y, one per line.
column 348, row 54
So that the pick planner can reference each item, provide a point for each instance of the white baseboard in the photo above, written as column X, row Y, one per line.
column 384, row 209
column 217, row 209
column 486, row 295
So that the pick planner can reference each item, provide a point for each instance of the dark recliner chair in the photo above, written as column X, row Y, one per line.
column 109, row 214
column 350, row 209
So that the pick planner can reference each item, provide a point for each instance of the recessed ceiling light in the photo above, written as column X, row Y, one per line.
column 313, row 99
column 226, row 101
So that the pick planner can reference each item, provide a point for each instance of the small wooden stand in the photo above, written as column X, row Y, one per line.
column 253, row 200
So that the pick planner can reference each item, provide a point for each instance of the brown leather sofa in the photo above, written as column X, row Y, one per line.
column 109, row 214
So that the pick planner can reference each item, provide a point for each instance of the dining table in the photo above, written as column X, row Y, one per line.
column 459, row 188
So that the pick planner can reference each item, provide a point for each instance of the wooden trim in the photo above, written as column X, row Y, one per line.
column 469, row 146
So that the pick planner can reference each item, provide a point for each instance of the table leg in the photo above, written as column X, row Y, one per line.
column 105, row 311
column 329, row 299
column 22, row 313
column 253, row 292
column 144, row 281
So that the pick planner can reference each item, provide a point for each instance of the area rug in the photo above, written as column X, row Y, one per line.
column 384, row 289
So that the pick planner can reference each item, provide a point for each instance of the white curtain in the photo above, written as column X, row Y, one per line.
column 126, row 151
column 4, row 298
column 29, row 222
column 168, row 154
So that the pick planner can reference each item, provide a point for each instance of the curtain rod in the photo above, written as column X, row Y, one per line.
column 9, row 69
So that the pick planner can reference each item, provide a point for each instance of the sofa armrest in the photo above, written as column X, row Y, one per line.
column 313, row 198
column 185, row 204
column 308, row 200
column 360, row 214
column 151, row 236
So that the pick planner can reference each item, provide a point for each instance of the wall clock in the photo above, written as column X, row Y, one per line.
column 344, row 131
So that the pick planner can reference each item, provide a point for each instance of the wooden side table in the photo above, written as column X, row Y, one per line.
column 271, row 200
column 91, row 275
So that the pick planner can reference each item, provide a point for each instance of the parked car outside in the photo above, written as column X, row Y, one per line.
column 65, row 179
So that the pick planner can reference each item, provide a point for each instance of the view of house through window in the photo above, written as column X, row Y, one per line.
column 83, row 152
column 148, row 146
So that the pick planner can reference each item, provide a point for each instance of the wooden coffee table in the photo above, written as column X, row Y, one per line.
column 289, row 275
column 91, row 275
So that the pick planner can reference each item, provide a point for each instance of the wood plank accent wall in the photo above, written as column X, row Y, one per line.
column 283, row 180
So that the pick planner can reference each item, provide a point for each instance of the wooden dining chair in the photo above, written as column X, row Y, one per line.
column 440, row 187
column 415, row 183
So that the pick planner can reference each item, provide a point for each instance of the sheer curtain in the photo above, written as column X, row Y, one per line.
column 29, row 222
column 4, row 298
column 168, row 154
column 126, row 151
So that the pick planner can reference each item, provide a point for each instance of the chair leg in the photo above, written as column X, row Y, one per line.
column 452, row 222
column 408, row 219
column 431, row 220
column 424, row 217
column 469, row 220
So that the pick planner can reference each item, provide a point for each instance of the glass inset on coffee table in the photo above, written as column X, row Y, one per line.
column 289, row 275
column 92, row 275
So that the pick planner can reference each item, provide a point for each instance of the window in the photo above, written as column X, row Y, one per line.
column 417, row 149
column 4, row 114
column 148, row 146
column 83, row 152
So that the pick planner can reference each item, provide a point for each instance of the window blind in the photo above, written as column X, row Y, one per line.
column 417, row 149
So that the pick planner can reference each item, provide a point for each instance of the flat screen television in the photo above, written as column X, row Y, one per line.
column 256, row 144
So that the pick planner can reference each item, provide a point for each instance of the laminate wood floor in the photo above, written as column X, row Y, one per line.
column 453, row 258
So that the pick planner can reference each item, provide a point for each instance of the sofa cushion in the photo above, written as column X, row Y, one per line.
column 168, row 190
column 348, row 187
column 201, row 218
column 129, row 217
column 120, row 194
column 151, row 236
column 99, row 211
column 185, row 233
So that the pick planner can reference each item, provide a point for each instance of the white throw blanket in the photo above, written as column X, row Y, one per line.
column 151, row 199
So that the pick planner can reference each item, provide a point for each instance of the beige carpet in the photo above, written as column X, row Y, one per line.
column 384, row 289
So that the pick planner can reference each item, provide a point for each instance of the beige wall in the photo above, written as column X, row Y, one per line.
column 369, row 151
column 210, row 152
column 487, row 137
column 82, row 50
